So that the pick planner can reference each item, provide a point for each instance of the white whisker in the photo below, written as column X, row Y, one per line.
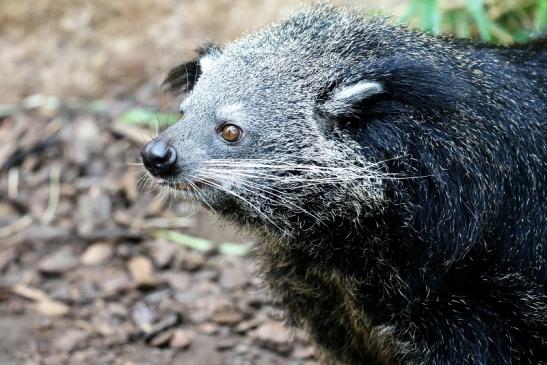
column 253, row 206
column 280, row 195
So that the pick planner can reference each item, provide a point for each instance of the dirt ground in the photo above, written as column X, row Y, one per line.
column 116, row 48
column 94, row 267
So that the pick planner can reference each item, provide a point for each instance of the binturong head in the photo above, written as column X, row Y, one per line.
column 287, row 128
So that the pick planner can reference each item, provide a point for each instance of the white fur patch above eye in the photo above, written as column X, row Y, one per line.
column 230, row 112
column 206, row 62
column 358, row 91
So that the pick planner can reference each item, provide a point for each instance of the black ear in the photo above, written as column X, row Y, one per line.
column 393, row 85
column 182, row 78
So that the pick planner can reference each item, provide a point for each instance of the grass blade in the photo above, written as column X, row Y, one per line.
column 233, row 249
column 194, row 243
column 478, row 12
column 143, row 116
column 541, row 15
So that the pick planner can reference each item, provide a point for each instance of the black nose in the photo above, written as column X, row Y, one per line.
column 158, row 157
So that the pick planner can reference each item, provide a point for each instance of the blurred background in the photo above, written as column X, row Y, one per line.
column 95, row 268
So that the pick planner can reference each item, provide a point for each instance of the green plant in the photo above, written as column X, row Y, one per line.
column 500, row 21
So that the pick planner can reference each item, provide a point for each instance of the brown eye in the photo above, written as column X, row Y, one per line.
column 231, row 133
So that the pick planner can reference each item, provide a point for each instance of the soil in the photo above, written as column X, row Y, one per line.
column 96, row 268
column 89, row 272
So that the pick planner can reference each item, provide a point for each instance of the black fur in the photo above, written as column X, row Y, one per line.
column 457, row 263
column 182, row 78
column 452, row 270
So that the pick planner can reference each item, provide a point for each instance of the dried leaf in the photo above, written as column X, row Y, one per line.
column 96, row 254
column 181, row 339
column 52, row 308
column 30, row 293
column 142, row 271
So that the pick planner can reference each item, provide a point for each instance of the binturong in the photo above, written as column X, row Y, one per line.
column 397, row 182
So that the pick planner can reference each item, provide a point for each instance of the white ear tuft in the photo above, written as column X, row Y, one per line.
column 344, row 98
column 206, row 62
column 358, row 91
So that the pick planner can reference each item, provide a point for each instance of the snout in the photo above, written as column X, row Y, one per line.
column 159, row 158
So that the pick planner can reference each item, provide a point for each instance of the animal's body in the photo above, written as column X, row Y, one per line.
column 398, row 182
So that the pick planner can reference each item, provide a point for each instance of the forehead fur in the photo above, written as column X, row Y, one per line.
column 292, row 65
column 299, row 55
column 317, row 37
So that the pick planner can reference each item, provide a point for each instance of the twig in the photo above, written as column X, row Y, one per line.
column 13, row 183
column 54, row 192
column 16, row 226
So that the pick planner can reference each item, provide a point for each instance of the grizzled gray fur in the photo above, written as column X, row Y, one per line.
column 398, row 182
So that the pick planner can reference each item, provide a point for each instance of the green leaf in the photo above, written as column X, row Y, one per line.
column 143, row 116
column 541, row 15
column 461, row 23
column 412, row 11
column 41, row 101
column 194, row 243
column 431, row 16
column 478, row 12
column 89, row 106
column 7, row 110
column 428, row 14
column 233, row 249
column 505, row 36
